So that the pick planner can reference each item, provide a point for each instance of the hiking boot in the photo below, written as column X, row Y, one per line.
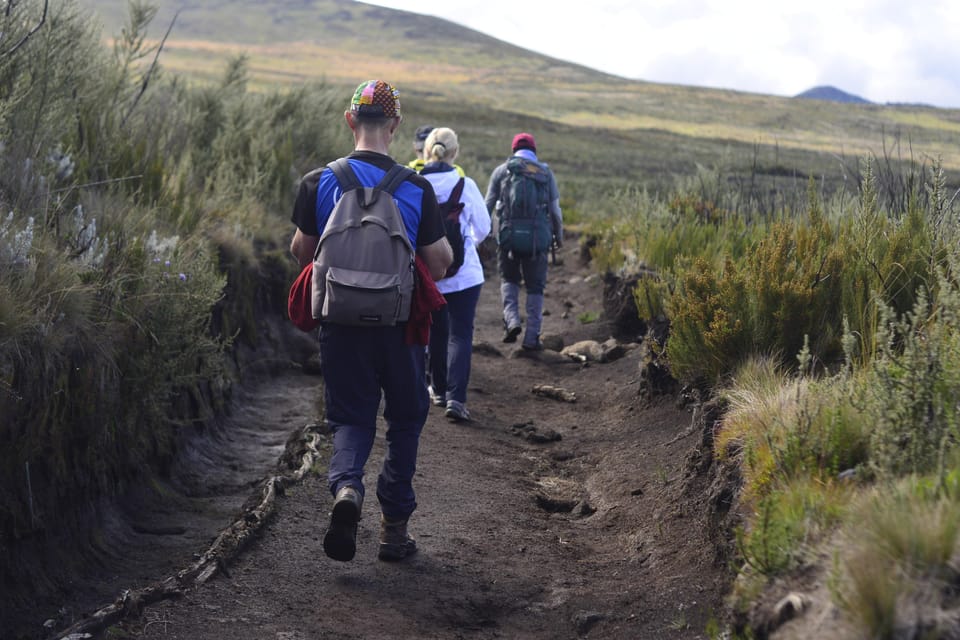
column 510, row 335
column 340, row 541
column 537, row 346
column 435, row 399
column 395, row 543
column 456, row 412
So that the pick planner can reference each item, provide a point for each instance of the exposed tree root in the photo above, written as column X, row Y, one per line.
column 225, row 548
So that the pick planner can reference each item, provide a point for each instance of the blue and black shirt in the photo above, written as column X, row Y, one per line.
column 319, row 192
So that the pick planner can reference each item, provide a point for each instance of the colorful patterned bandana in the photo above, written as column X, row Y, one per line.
column 376, row 98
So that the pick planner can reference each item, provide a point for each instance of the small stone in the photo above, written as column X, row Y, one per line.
column 585, row 620
column 584, row 509
column 847, row 474
column 789, row 607
column 552, row 341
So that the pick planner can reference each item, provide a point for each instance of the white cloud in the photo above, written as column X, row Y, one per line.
column 882, row 50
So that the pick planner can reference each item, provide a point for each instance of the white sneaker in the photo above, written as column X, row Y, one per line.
column 456, row 412
column 436, row 400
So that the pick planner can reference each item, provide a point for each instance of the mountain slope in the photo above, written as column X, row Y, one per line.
column 491, row 89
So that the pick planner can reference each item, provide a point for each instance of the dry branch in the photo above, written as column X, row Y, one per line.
column 689, row 431
column 29, row 34
column 149, row 73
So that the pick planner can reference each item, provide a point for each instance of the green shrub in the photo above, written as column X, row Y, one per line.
column 796, row 273
column 93, row 366
column 651, row 295
column 802, row 280
column 912, row 385
column 614, row 236
column 641, row 231
column 710, row 323
column 774, row 541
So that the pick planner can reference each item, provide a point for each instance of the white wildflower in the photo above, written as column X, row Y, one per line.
column 161, row 246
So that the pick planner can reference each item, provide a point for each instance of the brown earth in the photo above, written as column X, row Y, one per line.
column 540, row 518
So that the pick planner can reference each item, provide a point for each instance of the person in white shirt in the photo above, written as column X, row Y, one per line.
column 451, row 334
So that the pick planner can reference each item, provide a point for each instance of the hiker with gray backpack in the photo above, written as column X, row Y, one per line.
column 368, row 226
column 523, row 195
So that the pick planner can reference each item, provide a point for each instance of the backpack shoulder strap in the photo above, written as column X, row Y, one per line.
column 344, row 174
column 396, row 176
column 457, row 192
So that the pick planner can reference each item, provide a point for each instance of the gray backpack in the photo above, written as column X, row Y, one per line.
column 364, row 264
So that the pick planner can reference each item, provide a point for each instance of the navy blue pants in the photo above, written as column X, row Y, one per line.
column 359, row 364
column 451, row 344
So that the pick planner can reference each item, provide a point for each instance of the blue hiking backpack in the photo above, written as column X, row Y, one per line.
column 524, row 225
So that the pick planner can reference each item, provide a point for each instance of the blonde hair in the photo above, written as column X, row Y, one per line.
column 441, row 146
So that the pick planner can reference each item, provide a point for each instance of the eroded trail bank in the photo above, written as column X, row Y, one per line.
column 160, row 528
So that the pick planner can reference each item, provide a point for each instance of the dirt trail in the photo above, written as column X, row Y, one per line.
column 541, row 518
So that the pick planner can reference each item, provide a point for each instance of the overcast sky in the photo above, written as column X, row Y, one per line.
column 880, row 50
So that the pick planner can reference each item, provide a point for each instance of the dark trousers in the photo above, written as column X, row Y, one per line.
column 531, row 271
column 451, row 344
column 359, row 364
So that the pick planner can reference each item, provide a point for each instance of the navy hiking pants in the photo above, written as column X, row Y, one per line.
column 451, row 344
column 358, row 365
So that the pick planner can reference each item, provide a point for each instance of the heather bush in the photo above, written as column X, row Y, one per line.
column 785, row 288
column 711, row 330
column 641, row 231
column 912, row 384
column 870, row 450
column 796, row 273
column 615, row 236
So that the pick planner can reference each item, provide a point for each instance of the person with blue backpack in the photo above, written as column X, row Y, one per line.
column 524, row 196
column 467, row 224
column 367, row 356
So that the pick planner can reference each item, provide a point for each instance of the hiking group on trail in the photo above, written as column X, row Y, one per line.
column 394, row 270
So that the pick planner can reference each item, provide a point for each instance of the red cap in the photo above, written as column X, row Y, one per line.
column 523, row 141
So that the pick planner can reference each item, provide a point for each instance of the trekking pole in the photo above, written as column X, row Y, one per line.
column 553, row 254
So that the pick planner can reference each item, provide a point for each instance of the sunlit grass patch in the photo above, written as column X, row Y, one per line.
column 786, row 428
column 901, row 558
column 762, row 401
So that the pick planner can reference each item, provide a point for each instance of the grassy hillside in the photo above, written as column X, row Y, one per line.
column 598, row 131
